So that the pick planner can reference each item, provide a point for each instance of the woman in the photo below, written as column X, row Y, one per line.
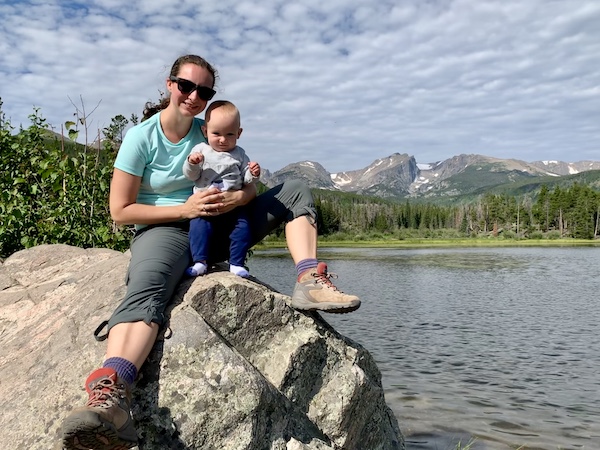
column 149, row 190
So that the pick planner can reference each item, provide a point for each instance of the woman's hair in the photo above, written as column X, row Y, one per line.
column 152, row 108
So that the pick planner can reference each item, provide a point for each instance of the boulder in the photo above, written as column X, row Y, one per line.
column 236, row 368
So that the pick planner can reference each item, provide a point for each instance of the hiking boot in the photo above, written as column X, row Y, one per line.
column 315, row 291
column 105, row 422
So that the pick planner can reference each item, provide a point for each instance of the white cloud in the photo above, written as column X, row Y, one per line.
column 340, row 82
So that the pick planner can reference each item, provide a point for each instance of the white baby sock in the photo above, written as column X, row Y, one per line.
column 239, row 271
column 197, row 269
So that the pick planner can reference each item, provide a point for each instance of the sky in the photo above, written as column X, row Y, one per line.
column 339, row 82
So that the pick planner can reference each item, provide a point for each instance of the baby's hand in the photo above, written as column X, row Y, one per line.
column 196, row 158
column 254, row 169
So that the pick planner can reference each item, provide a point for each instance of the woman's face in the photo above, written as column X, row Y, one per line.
column 190, row 104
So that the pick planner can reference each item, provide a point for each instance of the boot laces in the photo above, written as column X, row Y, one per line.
column 105, row 393
column 325, row 278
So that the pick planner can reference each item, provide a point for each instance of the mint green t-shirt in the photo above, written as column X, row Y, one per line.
column 147, row 153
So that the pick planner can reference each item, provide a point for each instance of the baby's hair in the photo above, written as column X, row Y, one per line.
column 226, row 106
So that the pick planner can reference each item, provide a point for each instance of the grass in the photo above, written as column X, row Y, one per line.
column 441, row 243
column 468, row 446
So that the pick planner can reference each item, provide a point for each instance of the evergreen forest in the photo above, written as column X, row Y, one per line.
column 55, row 190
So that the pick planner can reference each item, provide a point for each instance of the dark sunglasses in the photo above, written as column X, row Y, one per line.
column 187, row 87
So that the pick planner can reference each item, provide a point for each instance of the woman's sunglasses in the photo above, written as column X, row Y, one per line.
column 187, row 87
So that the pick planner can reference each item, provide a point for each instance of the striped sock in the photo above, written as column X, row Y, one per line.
column 306, row 264
column 125, row 369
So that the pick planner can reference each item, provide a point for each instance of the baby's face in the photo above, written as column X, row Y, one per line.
column 222, row 131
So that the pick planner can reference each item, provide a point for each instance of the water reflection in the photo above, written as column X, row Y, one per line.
column 496, row 344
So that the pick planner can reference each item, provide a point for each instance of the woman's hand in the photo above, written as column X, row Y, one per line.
column 213, row 202
column 204, row 204
column 233, row 199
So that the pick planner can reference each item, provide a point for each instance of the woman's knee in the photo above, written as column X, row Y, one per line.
column 300, row 200
column 298, row 191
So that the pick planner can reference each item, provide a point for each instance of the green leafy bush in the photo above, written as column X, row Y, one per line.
column 509, row 234
column 553, row 235
column 536, row 235
column 52, row 191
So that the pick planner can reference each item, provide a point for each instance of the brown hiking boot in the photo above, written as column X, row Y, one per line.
column 315, row 291
column 105, row 422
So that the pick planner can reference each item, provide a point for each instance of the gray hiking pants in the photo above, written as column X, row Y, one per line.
column 160, row 253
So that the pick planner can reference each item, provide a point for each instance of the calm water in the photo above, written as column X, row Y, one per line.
column 501, row 345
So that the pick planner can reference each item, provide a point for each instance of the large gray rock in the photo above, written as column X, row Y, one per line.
column 240, row 370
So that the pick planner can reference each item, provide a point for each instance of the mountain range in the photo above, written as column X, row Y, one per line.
column 400, row 176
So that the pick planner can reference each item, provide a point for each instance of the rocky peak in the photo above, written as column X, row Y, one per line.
column 399, row 175
column 312, row 173
column 566, row 168
column 384, row 177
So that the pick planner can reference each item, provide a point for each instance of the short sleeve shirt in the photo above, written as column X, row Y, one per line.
column 147, row 153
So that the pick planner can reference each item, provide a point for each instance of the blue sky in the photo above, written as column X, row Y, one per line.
column 339, row 82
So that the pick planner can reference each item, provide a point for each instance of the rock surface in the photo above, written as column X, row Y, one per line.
column 240, row 369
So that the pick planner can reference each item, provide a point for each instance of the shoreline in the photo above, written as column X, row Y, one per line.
column 434, row 243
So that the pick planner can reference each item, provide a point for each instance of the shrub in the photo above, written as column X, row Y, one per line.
column 536, row 235
column 53, row 194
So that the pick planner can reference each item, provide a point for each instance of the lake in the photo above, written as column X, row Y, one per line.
column 500, row 345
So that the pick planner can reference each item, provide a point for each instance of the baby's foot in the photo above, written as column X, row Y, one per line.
column 196, row 270
column 239, row 271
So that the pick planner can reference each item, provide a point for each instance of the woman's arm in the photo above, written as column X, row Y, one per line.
column 124, row 210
